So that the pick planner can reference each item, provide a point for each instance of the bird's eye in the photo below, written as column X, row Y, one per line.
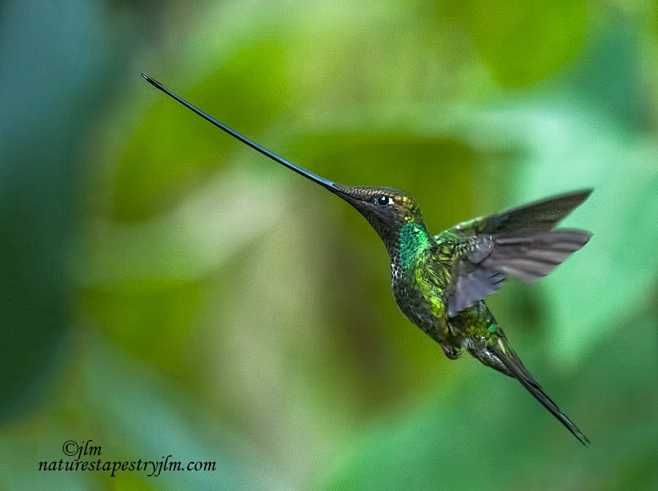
column 384, row 200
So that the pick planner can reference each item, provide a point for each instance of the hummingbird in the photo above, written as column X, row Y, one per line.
column 441, row 281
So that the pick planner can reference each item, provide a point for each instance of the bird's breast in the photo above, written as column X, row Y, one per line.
column 419, row 306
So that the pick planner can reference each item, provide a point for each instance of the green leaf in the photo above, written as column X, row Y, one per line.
column 589, row 295
column 488, row 433
column 39, row 185
column 163, row 421
column 523, row 42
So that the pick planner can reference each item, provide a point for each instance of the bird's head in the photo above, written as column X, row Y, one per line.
column 386, row 209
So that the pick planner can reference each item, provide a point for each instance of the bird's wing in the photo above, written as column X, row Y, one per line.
column 521, row 243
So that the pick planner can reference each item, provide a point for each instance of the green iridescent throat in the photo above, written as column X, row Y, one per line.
column 414, row 239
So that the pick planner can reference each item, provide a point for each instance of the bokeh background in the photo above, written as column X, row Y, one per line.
column 169, row 291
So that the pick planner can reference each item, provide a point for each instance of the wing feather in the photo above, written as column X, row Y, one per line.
column 520, row 243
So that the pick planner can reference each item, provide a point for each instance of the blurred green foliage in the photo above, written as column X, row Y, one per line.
column 170, row 291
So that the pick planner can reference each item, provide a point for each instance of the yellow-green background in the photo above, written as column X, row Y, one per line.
column 167, row 290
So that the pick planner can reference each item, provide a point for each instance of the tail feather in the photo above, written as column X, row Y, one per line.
column 516, row 369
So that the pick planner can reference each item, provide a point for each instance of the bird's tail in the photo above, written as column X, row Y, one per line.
column 514, row 367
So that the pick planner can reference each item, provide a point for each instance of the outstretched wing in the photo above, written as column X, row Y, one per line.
column 520, row 243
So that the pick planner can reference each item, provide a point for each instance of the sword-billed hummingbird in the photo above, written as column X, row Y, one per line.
column 440, row 282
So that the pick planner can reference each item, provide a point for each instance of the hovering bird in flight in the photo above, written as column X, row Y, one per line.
column 441, row 281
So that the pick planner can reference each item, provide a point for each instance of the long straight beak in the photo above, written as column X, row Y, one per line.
column 331, row 186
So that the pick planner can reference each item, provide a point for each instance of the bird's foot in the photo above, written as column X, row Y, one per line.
column 451, row 352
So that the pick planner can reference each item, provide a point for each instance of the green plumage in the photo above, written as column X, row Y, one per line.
column 441, row 282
